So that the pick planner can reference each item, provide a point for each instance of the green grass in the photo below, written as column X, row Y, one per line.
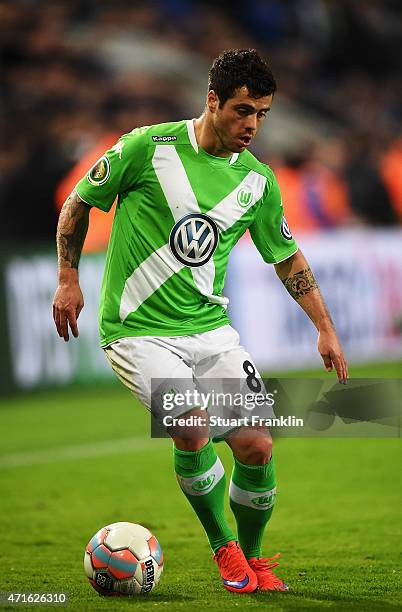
column 337, row 522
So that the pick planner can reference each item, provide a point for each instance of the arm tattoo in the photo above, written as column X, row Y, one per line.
column 71, row 231
column 300, row 283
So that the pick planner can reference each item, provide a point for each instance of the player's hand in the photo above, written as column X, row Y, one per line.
column 67, row 304
column 331, row 352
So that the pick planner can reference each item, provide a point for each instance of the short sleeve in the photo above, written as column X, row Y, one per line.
column 118, row 170
column 270, row 231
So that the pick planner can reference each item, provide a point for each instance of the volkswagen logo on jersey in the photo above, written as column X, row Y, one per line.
column 285, row 231
column 194, row 239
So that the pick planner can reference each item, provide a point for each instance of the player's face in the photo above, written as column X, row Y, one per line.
column 237, row 122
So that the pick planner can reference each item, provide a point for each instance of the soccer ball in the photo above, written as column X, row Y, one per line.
column 123, row 559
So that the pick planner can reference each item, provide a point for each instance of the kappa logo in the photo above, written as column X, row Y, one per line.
column 203, row 484
column 100, row 172
column 194, row 239
column 244, row 198
column 164, row 138
column 285, row 231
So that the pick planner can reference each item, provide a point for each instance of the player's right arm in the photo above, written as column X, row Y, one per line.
column 116, row 171
column 71, row 231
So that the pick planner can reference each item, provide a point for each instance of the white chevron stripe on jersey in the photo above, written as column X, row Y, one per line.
column 204, row 277
column 174, row 182
column 147, row 278
column 182, row 201
column 228, row 211
column 161, row 265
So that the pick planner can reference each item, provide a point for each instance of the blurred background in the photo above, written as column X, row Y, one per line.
column 76, row 75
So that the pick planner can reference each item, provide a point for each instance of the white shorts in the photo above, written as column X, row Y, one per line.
column 154, row 368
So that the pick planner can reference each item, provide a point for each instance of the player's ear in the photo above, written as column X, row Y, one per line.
column 212, row 101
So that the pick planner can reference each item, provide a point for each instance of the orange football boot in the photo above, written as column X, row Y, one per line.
column 267, row 581
column 234, row 569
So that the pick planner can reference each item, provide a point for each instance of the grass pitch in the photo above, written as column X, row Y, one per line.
column 73, row 461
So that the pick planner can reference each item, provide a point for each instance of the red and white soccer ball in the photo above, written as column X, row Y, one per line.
column 123, row 559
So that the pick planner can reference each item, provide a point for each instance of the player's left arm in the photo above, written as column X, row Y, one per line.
column 298, row 278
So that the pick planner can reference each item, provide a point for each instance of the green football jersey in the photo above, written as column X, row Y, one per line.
column 179, row 213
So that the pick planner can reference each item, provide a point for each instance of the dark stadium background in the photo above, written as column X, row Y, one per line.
column 75, row 75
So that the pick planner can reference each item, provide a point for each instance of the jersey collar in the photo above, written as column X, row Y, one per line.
column 194, row 143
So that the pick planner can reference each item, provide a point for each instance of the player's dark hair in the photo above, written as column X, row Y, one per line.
column 238, row 67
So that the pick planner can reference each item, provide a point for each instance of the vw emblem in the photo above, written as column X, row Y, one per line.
column 194, row 239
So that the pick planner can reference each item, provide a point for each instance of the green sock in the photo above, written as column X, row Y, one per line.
column 202, row 479
column 252, row 496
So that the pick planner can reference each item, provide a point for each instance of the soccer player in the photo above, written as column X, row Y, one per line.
column 187, row 191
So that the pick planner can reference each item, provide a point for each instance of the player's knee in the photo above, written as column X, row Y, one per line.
column 189, row 444
column 253, row 451
column 260, row 451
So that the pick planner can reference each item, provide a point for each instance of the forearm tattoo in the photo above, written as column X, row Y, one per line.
column 71, row 231
column 300, row 283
